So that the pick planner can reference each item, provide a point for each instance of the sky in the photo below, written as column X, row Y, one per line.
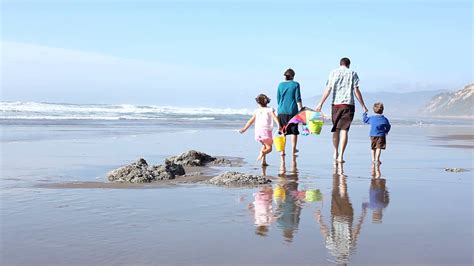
column 222, row 53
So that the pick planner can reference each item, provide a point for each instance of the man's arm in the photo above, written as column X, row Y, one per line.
column 358, row 96
column 323, row 228
column 326, row 94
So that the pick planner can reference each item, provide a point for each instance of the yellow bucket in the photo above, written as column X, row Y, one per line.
column 315, row 126
column 279, row 142
column 279, row 193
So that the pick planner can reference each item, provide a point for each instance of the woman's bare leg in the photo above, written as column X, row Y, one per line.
column 294, row 142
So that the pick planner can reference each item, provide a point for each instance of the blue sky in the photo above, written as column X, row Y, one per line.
column 202, row 53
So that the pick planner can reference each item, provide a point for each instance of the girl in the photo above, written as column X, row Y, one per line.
column 263, row 118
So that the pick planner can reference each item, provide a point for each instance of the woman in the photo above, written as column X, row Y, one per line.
column 289, row 103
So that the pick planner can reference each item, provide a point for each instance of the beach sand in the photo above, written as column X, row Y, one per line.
column 58, row 209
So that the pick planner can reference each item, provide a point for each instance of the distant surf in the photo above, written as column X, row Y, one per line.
column 65, row 111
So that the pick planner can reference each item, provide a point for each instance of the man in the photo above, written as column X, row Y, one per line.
column 344, row 84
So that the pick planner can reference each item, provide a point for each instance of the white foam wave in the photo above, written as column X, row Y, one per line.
column 34, row 110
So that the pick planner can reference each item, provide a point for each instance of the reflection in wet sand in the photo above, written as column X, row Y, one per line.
column 288, row 207
column 378, row 195
column 288, row 199
column 263, row 210
column 341, row 238
column 288, row 202
column 342, row 231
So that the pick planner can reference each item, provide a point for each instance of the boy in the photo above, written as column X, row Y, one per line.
column 379, row 128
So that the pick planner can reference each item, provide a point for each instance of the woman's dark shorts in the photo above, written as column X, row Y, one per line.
column 342, row 116
column 378, row 142
column 291, row 129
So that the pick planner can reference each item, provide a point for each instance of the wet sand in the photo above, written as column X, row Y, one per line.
column 455, row 141
column 193, row 175
column 58, row 209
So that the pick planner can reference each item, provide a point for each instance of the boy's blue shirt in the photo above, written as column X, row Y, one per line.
column 288, row 95
column 379, row 124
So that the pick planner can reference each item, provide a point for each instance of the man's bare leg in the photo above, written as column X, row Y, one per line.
column 335, row 143
column 343, row 142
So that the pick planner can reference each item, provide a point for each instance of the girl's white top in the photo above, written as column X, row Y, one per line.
column 263, row 118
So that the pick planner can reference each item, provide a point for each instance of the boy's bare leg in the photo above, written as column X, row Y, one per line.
column 373, row 156
column 335, row 143
column 294, row 141
column 377, row 155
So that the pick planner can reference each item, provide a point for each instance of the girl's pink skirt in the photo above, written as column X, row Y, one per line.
column 263, row 136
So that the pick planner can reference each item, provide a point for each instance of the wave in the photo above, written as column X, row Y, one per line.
column 64, row 111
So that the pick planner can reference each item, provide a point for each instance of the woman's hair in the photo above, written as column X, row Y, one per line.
column 263, row 100
column 378, row 108
column 289, row 74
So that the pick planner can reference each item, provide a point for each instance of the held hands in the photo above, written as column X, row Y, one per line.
column 365, row 109
column 318, row 108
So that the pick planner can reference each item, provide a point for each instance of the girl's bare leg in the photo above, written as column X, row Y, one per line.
column 261, row 154
column 267, row 148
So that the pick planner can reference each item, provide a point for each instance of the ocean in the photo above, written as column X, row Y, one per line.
column 414, row 213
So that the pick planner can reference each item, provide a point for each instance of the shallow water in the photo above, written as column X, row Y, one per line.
column 413, row 213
